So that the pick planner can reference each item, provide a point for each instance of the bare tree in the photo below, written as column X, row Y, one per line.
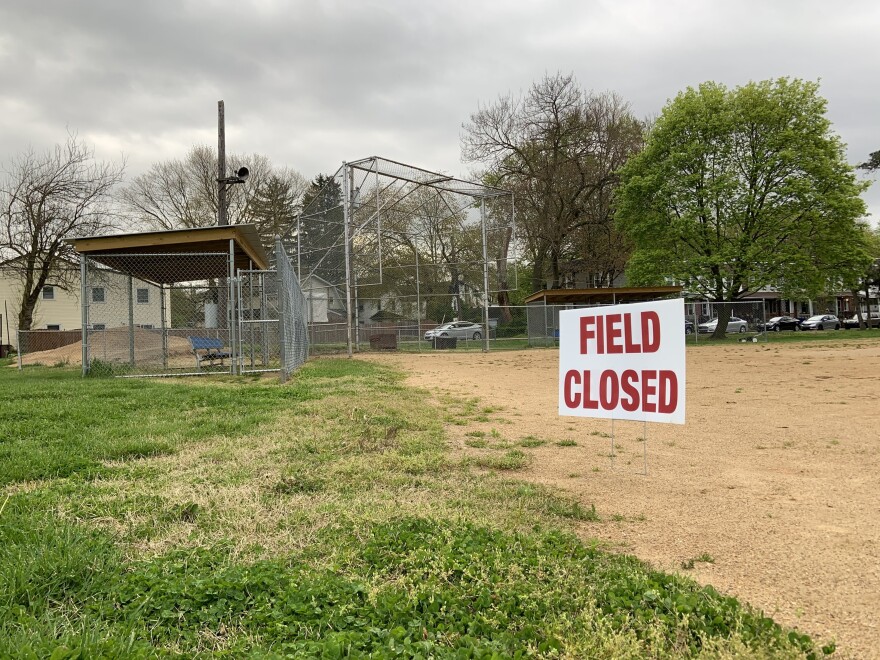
column 179, row 194
column 556, row 148
column 44, row 199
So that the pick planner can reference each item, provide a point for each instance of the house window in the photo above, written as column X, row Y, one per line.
column 143, row 296
column 98, row 294
column 99, row 326
column 53, row 326
column 48, row 293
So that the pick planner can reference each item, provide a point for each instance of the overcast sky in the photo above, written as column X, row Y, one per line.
column 312, row 83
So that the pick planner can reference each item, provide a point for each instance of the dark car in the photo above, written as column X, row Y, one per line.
column 778, row 323
column 853, row 323
column 688, row 327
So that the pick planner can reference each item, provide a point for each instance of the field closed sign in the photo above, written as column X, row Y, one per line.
column 623, row 362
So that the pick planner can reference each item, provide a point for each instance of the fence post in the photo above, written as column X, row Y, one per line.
column 346, row 211
column 84, row 309
column 230, row 312
column 131, row 320
column 164, row 326
column 485, row 277
column 282, row 317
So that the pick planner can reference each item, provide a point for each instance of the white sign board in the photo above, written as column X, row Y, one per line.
column 623, row 362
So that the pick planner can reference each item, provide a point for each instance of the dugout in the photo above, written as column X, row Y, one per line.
column 543, row 307
column 149, row 299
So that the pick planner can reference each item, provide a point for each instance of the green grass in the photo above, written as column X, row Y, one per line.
column 323, row 518
column 53, row 423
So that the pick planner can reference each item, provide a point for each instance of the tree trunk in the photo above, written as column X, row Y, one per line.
column 554, row 268
column 724, row 313
column 537, row 275
column 504, row 305
column 855, row 294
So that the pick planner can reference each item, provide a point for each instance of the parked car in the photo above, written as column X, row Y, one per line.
column 821, row 322
column 457, row 329
column 688, row 327
column 735, row 324
column 873, row 322
column 778, row 323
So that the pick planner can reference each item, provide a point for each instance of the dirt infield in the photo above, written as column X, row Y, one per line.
column 775, row 476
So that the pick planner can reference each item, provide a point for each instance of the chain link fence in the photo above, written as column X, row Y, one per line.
column 388, row 249
column 294, row 336
column 171, row 314
column 518, row 327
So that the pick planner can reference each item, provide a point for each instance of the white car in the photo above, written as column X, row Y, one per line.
column 821, row 322
column 457, row 329
column 735, row 324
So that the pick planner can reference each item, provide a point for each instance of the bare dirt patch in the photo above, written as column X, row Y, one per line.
column 774, row 477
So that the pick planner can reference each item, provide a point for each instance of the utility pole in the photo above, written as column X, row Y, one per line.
column 222, row 180
column 221, row 164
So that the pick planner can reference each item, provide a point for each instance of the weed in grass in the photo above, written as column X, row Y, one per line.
column 297, row 484
column 481, row 418
column 476, row 443
column 574, row 475
column 788, row 444
column 704, row 558
column 513, row 459
column 186, row 512
column 600, row 434
column 495, row 434
column 573, row 510
column 738, row 390
column 596, row 468
column 531, row 441
column 476, row 434
column 834, row 442
column 566, row 443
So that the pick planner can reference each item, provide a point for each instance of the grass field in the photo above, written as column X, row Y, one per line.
column 323, row 518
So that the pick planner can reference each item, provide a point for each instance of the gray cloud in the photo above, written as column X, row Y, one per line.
column 312, row 83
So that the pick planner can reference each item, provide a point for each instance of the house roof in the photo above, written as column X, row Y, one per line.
column 603, row 296
column 178, row 255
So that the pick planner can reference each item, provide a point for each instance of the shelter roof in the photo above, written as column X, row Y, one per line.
column 177, row 255
column 603, row 296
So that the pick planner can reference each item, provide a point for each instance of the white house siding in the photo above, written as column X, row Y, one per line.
column 65, row 310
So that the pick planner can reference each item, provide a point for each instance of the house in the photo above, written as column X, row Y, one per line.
column 58, row 307
column 325, row 302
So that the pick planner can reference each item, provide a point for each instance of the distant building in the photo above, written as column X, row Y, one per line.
column 58, row 307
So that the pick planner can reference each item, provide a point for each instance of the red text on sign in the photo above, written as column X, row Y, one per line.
column 614, row 333
column 649, row 390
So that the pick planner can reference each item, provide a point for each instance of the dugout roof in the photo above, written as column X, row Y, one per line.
column 178, row 255
column 603, row 296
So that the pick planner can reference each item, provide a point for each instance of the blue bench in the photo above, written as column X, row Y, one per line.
column 212, row 348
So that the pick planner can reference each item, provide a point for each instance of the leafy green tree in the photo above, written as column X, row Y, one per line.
column 740, row 189
column 873, row 162
column 864, row 273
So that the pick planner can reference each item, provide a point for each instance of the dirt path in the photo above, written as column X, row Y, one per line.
column 776, row 474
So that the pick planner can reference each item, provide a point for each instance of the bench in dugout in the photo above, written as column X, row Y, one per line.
column 208, row 349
